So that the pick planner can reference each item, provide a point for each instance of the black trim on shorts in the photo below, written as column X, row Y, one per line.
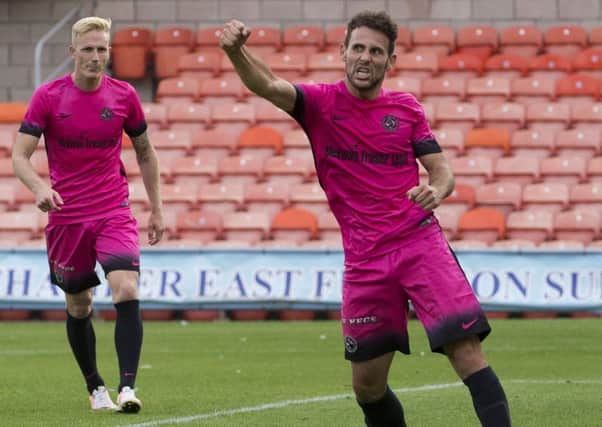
column 74, row 287
column 30, row 129
column 121, row 264
column 452, row 331
column 377, row 346
column 426, row 146
column 133, row 133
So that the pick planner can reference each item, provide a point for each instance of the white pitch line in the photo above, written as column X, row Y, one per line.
column 285, row 403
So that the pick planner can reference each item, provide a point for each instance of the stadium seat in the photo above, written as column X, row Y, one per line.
column 548, row 115
column 259, row 141
column 468, row 244
column 323, row 63
column 459, row 115
column 7, row 139
column 582, row 225
column 506, row 65
column 450, row 140
column 268, row 115
column 438, row 39
column 419, row 65
column 523, row 40
column 549, row 197
column 567, row 170
column 216, row 142
column 130, row 52
column 578, row 89
column 482, row 224
column 589, row 62
column 587, row 116
column 178, row 90
column 235, row 116
column 448, row 218
column 473, row 171
column 206, row 40
column 334, row 37
column 567, row 245
column 240, row 169
column 304, row 39
column 19, row 226
column 586, row 143
column 221, row 90
column 328, row 227
column 530, row 90
column 12, row 112
column 460, row 65
column 594, row 169
column 550, row 65
column 290, row 66
column 221, row 197
column 403, row 43
column 269, row 197
column 441, row 89
column 295, row 224
column 199, row 65
column 250, row 227
column 265, row 40
column 404, row 84
column 429, row 112
column 502, row 196
column 155, row 115
column 309, row 197
column 201, row 170
column 487, row 142
column 7, row 196
column 565, row 40
column 291, row 170
column 534, row 226
column 513, row 244
column 200, row 225
column 537, row 143
column 509, row 116
column 192, row 117
column 180, row 197
column 478, row 40
column 586, row 196
column 521, row 170
column 170, row 43
column 461, row 199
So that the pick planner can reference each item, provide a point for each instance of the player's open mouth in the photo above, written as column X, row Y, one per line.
column 362, row 72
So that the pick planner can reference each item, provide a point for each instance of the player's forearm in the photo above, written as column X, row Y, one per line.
column 253, row 72
column 149, row 169
column 25, row 172
column 442, row 178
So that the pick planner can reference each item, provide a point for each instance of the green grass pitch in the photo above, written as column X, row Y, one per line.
column 288, row 374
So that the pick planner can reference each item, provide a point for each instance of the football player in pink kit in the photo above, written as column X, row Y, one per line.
column 365, row 143
column 82, row 117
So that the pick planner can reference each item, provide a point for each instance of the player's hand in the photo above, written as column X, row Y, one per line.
column 47, row 199
column 234, row 35
column 425, row 195
column 155, row 228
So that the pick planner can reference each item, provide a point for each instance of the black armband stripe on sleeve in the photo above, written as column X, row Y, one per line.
column 30, row 129
column 297, row 112
column 426, row 146
column 133, row 133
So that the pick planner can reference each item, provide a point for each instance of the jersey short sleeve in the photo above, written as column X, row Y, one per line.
column 135, row 123
column 36, row 116
column 423, row 140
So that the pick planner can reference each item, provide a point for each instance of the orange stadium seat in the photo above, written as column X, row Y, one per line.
column 221, row 197
column 537, row 143
column 308, row 196
column 199, row 65
column 502, row 196
column 199, row 225
column 487, row 142
column 459, row 115
column 130, row 51
column 548, row 115
column 517, row 169
column 589, row 62
column 12, row 112
column 460, row 65
column 550, row 65
column 404, row 84
column 188, row 116
column 215, row 142
column 178, row 90
column 291, row 170
column 221, row 90
column 523, row 40
column 438, row 89
column 461, row 199
column 291, row 66
column 240, row 169
column 207, row 40
column 155, row 115
column 587, row 116
column 450, row 140
column 550, row 197
column 530, row 90
column 566, row 40
column 568, row 170
column 482, row 90
column 578, row 89
column 448, row 219
column 419, row 65
column 581, row 225
column 479, row 40
column 586, row 196
column 507, row 115
column 303, row 39
column 270, row 197
column 259, row 141
column 294, row 224
column 170, row 43
column 533, row 226
column 202, row 170
column 250, row 227
column 585, row 143
column 483, row 224
column 472, row 170
column 506, row 65
column 438, row 39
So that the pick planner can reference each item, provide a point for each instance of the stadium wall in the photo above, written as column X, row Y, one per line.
column 22, row 23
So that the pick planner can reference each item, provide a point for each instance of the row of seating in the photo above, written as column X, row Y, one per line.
column 135, row 47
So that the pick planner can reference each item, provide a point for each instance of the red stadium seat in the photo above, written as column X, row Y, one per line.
column 221, row 197
column 506, row 65
column 530, row 90
column 472, row 170
column 533, row 142
column 334, row 37
column 450, row 140
column 508, row 115
column 438, row 89
column 587, row 116
column 260, row 141
column 536, row 226
column 304, row 39
column 581, row 225
column 327, row 65
column 448, row 219
column 250, row 227
column 440, row 40
column 221, row 90
column 459, row 115
column 206, row 40
column 269, row 197
column 578, row 89
column 309, row 197
column 586, row 196
column 178, row 90
column 240, row 169
column 461, row 199
column 200, row 169
column 502, row 196
column 548, row 115
column 565, row 40
column 169, row 44
column 295, row 224
column 479, row 40
column 199, row 65
column 589, row 62
column 549, row 197
column 188, row 116
column 291, row 66
column 291, row 170
column 518, row 169
column 328, row 227
column 155, row 115
column 265, row 40
column 550, row 65
column 216, row 142
column 487, row 142
column 586, row 143
column 523, row 40
column 567, row 170
column 460, row 65
column 594, row 169
column 403, row 43
column 202, row 226
column 416, row 64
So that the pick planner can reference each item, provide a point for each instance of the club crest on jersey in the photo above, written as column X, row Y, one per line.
column 390, row 123
column 350, row 344
column 106, row 113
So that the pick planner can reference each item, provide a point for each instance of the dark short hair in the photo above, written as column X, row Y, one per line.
column 379, row 21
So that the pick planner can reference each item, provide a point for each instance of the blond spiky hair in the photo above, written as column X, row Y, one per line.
column 90, row 23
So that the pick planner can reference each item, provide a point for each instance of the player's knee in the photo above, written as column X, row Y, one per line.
column 79, row 310
column 368, row 390
column 466, row 355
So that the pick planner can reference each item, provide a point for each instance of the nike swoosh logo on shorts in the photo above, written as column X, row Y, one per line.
column 469, row 324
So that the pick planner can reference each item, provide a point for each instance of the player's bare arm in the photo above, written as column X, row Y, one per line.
column 149, row 169
column 46, row 198
column 441, row 182
column 254, row 73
